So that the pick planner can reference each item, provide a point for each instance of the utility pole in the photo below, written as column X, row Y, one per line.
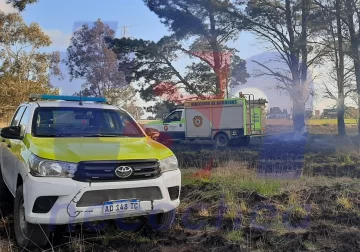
column 124, row 30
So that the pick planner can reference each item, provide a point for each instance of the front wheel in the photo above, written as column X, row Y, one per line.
column 27, row 235
column 161, row 221
column 221, row 140
column 133, row 224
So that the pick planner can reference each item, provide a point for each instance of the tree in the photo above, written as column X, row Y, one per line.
column 24, row 70
column 21, row 4
column 105, row 73
column 353, row 16
column 207, row 22
column 288, row 27
column 136, row 111
column 341, row 71
column 209, row 28
column 157, row 76
column 161, row 108
column 351, row 113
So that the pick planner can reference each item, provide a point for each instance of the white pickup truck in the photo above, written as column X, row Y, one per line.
column 76, row 160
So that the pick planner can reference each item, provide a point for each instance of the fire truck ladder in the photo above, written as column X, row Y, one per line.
column 250, row 108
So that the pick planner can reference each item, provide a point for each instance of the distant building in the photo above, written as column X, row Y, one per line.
column 350, row 112
column 330, row 113
column 317, row 114
column 277, row 113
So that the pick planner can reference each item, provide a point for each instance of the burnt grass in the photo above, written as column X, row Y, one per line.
column 312, row 216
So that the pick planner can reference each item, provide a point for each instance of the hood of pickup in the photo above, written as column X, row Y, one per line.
column 154, row 124
column 97, row 148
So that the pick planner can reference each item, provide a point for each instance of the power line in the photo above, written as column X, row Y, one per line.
column 125, row 29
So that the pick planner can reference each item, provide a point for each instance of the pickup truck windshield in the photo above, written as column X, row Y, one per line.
column 83, row 122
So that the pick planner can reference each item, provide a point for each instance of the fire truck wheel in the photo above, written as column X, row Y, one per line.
column 221, row 140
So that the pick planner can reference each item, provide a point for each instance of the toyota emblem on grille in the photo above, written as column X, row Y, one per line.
column 124, row 171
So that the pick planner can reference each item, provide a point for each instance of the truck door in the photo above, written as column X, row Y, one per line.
column 256, row 127
column 198, row 122
column 174, row 125
column 9, row 160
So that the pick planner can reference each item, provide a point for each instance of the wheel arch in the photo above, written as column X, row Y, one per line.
column 220, row 132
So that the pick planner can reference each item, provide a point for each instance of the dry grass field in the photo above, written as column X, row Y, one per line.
column 278, row 194
column 311, row 122
column 279, row 122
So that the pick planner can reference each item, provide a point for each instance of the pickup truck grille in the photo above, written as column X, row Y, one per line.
column 98, row 197
column 105, row 170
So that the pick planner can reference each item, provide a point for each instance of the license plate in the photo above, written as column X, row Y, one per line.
column 121, row 206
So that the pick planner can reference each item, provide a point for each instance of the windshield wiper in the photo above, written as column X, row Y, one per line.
column 54, row 135
column 101, row 135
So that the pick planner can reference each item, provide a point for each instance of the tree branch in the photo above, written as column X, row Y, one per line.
column 188, row 85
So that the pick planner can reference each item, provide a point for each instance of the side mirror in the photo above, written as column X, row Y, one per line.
column 12, row 132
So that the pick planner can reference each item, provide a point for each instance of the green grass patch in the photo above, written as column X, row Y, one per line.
column 230, row 178
column 235, row 236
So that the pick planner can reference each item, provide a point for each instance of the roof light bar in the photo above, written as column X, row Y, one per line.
column 68, row 98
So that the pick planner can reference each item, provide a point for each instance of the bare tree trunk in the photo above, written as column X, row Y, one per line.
column 354, row 49
column 340, row 73
column 216, row 55
column 297, row 92
column 218, row 72
column 304, row 90
column 341, row 114
column 298, row 107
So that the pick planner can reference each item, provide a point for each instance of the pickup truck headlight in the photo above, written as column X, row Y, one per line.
column 169, row 164
column 50, row 168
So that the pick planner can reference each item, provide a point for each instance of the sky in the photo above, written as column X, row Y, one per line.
column 60, row 18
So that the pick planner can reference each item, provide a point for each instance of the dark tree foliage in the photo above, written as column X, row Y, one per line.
column 161, row 108
column 208, row 22
column 157, row 75
column 214, row 67
column 20, row 4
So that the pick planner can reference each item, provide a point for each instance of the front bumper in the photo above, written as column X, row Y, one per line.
column 70, row 192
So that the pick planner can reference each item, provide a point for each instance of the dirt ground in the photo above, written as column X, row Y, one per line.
column 278, row 194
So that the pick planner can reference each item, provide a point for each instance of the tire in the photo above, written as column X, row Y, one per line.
column 27, row 235
column 134, row 224
column 161, row 221
column 221, row 140
column 4, row 191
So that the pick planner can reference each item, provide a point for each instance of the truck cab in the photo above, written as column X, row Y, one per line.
column 174, row 124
